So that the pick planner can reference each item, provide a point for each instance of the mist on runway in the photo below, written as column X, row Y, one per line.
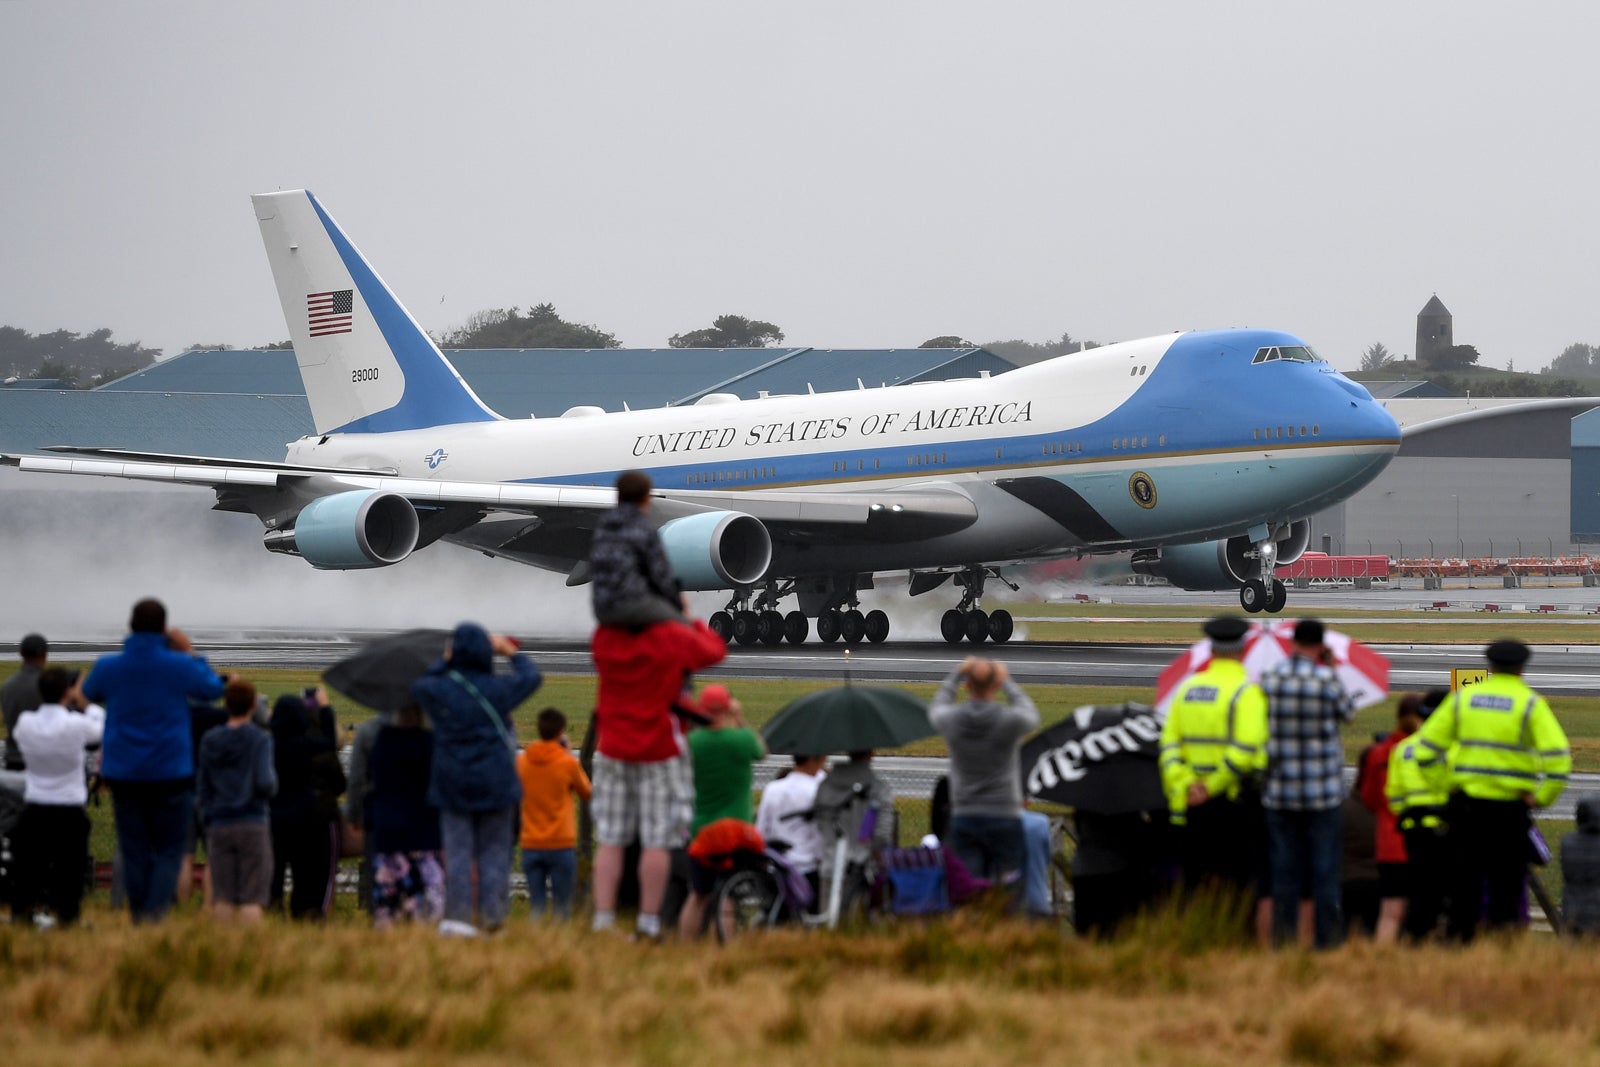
column 78, row 558
column 80, row 551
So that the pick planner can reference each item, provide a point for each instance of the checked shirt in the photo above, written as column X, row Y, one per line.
column 1306, row 704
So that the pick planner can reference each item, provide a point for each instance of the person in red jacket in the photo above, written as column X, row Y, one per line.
column 1391, row 843
column 643, row 781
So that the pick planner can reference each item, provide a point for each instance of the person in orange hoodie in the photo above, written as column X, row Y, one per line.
column 551, row 777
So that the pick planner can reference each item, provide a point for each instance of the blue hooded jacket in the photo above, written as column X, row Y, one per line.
column 474, row 747
column 145, row 690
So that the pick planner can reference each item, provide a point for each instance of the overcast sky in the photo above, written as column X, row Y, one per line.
column 862, row 174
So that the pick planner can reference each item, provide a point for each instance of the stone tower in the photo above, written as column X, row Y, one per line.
column 1435, row 335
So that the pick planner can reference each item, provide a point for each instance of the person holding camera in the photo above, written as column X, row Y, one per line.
column 149, row 754
column 53, row 837
column 984, row 734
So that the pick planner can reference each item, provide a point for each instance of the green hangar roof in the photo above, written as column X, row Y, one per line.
column 250, row 404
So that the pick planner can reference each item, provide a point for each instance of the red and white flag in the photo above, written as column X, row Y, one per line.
column 1364, row 673
column 330, row 313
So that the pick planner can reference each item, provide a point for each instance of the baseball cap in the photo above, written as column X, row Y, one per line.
column 715, row 698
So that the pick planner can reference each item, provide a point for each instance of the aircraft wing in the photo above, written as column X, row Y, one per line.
column 267, row 488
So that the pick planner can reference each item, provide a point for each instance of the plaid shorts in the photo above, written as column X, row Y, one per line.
column 651, row 801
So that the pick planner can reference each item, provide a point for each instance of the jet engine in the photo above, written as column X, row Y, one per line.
column 350, row 531
column 717, row 549
column 1218, row 564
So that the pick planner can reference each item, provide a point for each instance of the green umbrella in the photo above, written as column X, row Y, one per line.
column 847, row 719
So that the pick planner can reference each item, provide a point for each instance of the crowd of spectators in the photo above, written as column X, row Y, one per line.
column 440, row 793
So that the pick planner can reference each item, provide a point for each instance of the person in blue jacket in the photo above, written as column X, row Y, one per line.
column 147, row 756
column 473, row 779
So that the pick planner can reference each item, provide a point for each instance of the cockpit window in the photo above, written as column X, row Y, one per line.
column 1293, row 353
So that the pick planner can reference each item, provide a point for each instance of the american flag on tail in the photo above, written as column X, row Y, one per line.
column 330, row 313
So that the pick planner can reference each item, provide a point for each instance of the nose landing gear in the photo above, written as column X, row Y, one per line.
column 1265, row 593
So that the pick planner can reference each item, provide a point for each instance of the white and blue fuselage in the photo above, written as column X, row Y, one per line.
column 1174, row 439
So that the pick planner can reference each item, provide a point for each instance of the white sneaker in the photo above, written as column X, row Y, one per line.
column 457, row 928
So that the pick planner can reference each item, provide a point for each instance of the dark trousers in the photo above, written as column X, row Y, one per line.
column 305, row 847
column 1307, row 852
column 1427, row 877
column 52, row 847
column 153, row 820
column 1489, row 853
column 990, row 845
column 1223, row 844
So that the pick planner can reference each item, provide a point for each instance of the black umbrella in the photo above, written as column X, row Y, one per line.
column 380, row 675
column 848, row 718
column 1101, row 758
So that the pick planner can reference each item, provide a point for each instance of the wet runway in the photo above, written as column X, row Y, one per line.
column 1566, row 670
column 1556, row 669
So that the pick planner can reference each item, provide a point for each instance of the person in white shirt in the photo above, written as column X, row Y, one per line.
column 53, row 836
column 794, row 792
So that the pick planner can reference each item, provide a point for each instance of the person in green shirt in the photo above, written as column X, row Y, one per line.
column 724, row 755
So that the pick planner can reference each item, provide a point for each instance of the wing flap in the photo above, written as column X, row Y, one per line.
column 151, row 472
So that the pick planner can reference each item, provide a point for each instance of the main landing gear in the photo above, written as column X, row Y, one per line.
column 970, row 622
column 750, row 617
column 1265, row 593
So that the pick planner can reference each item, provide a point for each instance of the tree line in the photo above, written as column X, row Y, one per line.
column 73, row 359
column 1575, row 361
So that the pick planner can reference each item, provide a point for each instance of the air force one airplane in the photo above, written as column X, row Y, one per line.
column 1203, row 453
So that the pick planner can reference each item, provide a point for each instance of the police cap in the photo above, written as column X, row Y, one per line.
column 1507, row 652
column 1227, row 633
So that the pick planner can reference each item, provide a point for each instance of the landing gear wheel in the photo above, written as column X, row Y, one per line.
column 828, row 624
column 721, row 624
column 746, row 627
column 795, row 628
column 977, row 626
column 1277, row 597
column 877, row 626
column 1253, row 596
column 1000, row 626
column 952, row 626
column 770, row 628
column 853, row 627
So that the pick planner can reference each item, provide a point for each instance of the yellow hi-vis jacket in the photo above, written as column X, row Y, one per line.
column 1215, row 734
column 1497, row 740
column 1413, row 801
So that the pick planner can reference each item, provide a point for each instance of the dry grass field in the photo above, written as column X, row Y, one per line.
column 963, row 991
column 971, row 989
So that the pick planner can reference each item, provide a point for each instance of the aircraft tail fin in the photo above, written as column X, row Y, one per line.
column 367, row 366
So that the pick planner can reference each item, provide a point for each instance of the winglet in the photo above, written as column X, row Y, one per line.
column 367, row 366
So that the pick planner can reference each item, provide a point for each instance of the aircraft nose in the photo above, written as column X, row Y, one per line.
column 1384, row 425
column 1367, row 419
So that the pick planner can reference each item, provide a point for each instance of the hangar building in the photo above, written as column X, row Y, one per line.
column 1478, row 478
column 250, row 404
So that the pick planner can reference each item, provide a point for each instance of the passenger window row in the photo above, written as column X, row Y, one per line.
column 1271, row 432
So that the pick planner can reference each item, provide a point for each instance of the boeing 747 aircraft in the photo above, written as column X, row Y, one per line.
column 1203, row 453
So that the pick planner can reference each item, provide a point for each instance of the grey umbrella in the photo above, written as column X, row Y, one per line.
column 848, row 718
column 381, row 673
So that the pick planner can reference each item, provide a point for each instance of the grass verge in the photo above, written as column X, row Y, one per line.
column 956, row 991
